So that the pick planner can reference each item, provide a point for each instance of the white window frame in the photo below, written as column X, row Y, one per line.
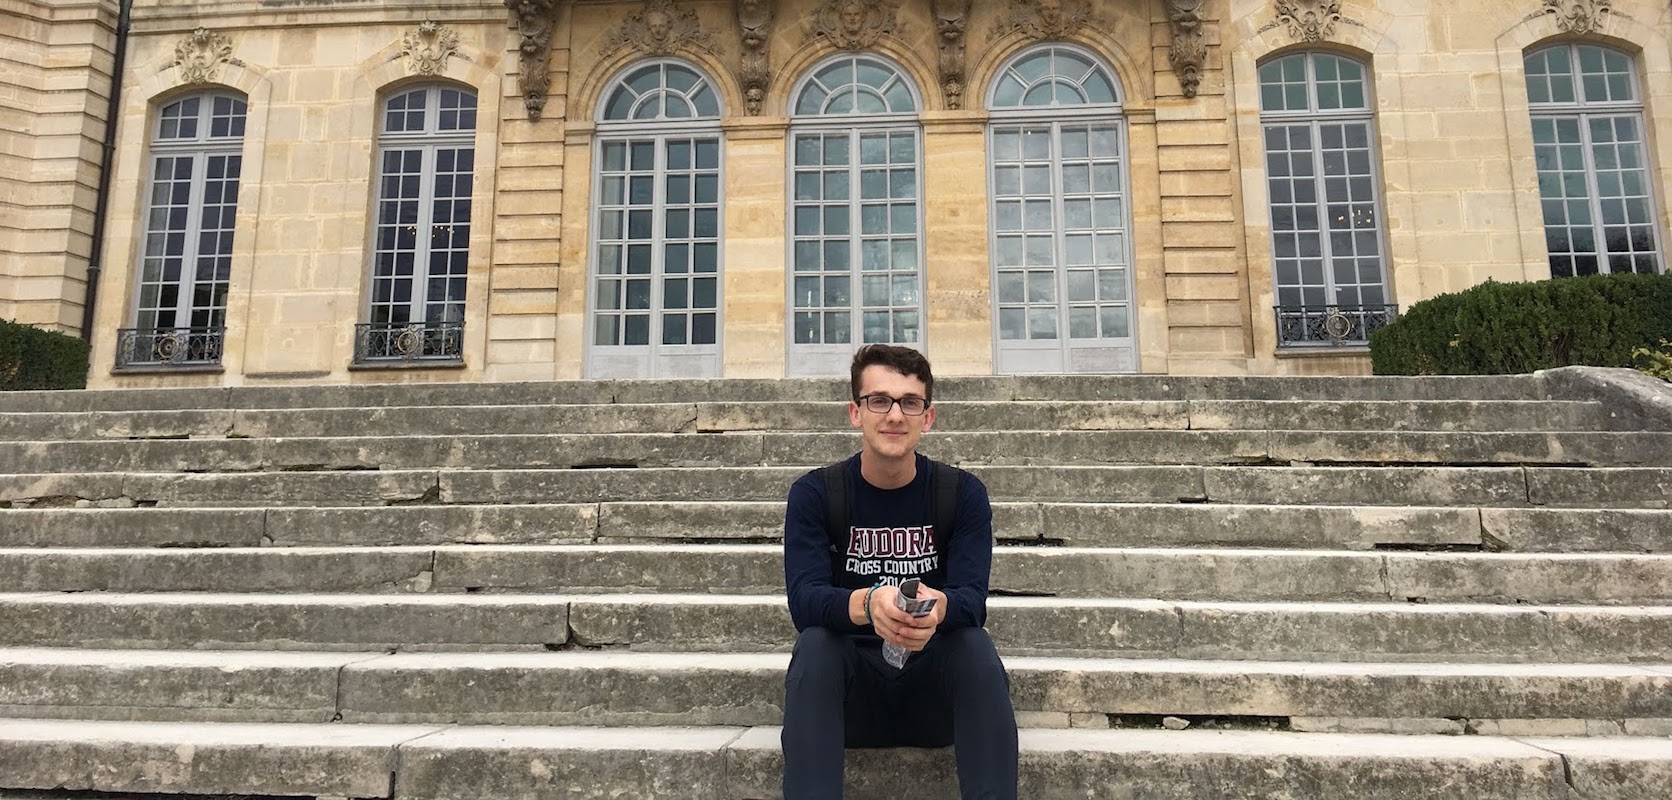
column 1063, row 354
column 656, row 359
column 1355, row 318
column 821, row 358
column 1583, row 111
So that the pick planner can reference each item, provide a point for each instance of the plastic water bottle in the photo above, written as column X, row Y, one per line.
column 908, row 601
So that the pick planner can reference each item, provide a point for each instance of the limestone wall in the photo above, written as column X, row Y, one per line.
column 55, row 63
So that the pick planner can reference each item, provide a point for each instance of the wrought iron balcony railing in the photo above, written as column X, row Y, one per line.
column 1331, row 326
column 383, row 343
column 138, row 348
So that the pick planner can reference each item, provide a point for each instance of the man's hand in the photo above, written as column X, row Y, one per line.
column 898, row 627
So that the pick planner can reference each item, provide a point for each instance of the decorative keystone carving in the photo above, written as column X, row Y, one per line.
column 535, row 19
column 755, row 74
column 1045, row 20
column 660, row 28
column 1309, row 20
column 853, row 24
column 1578, row 16
column 428, row 47
column 1190, row 47
column 951, row 18
column 199, row 56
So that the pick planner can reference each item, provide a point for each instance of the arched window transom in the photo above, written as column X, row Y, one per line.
column 1053, row 76
column 661, row 91
column 855, row 85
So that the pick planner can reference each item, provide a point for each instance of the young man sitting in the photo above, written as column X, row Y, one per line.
column 853, row 533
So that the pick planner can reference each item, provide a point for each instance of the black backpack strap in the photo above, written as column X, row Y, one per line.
column 837, row 513
column 943, row 501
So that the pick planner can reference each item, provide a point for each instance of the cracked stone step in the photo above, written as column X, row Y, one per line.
column 1568, row 487
column 1021, row 448
column 616, row 688
column 1164, row 573
column 1053, row 387
column 1094, row 627
column 954, row 415
column 730, row 763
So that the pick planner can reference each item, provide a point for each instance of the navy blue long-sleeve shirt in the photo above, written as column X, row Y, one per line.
column 891, row 538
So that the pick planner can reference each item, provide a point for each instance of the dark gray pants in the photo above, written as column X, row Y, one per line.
column 840, row 693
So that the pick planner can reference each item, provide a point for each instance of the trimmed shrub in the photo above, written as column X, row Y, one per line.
column 1513, row 328
column 1655, row 362
column 31, row 358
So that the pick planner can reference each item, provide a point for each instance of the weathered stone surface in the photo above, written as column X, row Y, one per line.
column 574, row 688
column 1190, row 765
column 1406, row 415
column 221, row 569
column 1463, row 448
column 142, row 527
column 176, row 758
column 1614, row 769
column 467, row 421
column 1372, row 632
column 1614, row 634
column 1194, row 525
column 150, row 424
column 1188, row 574
column 690, row 520
column 1601, row 488
column 730, row 484
column 283, row 622
column 1602, row 579
column 427, row 524
column 510, row 763
column 1132, row 484
column 1397, row 486
column 57, row 489
column 613, row 568
column 1634, row 398
column 167, row 686
column 357, row 488
column 670, row 622
column 1578, row 530
column 124, row 400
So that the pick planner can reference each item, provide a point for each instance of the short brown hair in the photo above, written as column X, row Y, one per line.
column 903, row 360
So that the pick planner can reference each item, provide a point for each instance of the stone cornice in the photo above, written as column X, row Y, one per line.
column 154, row 17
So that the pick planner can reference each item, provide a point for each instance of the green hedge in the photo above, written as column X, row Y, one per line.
column 31, row 358
column 1511, row 328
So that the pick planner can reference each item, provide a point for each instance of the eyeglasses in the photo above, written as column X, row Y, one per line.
column 882, row 404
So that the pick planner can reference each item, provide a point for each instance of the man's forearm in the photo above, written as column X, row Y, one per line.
column 856, row 607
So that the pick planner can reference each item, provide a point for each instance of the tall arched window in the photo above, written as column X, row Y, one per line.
column 856, row 250
column 426, row 162
column 185, row 265
column 1061, row 241
column 1599, row 210
column 655, row 296
column 1325, row 195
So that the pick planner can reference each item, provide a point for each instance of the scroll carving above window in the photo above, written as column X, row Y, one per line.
column 951, row 18
column 660, row 28
column 199, row 56
column 1190, row 48
column 1578, row 16
column 535, row 20
column 853, row 24
column 755, row 72
column 428, row 47
column 1309, row 20
column 1045, row 20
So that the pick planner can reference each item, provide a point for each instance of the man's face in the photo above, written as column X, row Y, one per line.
column 892, row 435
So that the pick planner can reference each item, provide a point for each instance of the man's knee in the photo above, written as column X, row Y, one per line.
column 818, row 651
column 970, row 653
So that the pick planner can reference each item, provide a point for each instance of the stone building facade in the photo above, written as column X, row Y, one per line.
column 376, row 190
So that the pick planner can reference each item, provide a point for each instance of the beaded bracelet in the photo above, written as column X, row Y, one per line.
column 868, row 602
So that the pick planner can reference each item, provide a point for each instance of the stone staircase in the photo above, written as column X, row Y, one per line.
column 1338, row 588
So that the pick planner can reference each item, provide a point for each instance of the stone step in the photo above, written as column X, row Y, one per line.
column 1072, row 524
column 1042, row 387
column 614, row 688
column 431, row 762
column 1096, row 627
column 1016, row 448
column 1413, row 415
column 1161, row 573
column 1560, row 487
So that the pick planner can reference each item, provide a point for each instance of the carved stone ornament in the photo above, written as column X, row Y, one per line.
column 1045, row 20
column 660, row 28
column 535, row 19
column 1309, row 20
column 1190, row 46
column 1578, row 16
column 199, row 55
column 853, row 24
column 951, row 18
column 754, row 17
column 428, row 47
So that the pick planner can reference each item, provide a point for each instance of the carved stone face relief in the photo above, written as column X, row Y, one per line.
column 853, row 24
column 1309, row 20
column 660, row 28
column 534, row 20
column 754, row 17
column 1578, row 16
column 198, row 57
column 1044, row 19
column 428, row 48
